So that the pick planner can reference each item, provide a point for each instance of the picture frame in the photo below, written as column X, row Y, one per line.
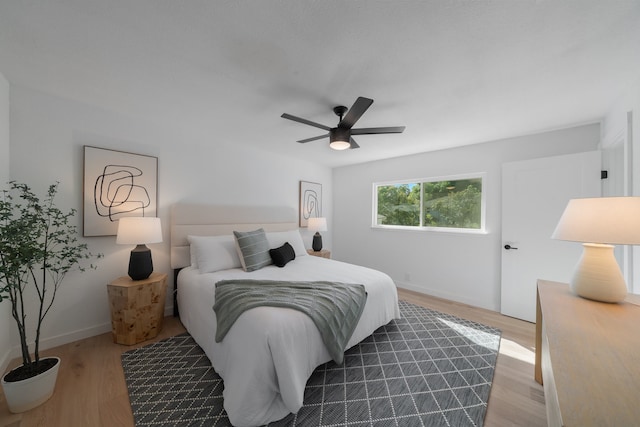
column 310, row 201
column 116, row 184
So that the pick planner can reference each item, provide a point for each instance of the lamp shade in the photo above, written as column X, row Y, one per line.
column 600, row 223
column 317, row 224
column 610, row 220
column 139, row 230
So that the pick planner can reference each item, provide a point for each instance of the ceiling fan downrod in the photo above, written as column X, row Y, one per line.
column 340, row 110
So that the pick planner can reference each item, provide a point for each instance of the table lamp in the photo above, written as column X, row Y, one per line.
column 317, row 224
column 600, row 223
column 139, row 231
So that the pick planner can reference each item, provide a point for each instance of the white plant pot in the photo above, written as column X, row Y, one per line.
column 27, row 394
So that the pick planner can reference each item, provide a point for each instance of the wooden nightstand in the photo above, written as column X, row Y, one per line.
column 137, row 308
column 323, row 253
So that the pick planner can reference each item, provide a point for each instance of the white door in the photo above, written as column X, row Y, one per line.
column 534, row 195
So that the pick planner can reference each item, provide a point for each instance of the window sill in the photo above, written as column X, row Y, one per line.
column 430, row 229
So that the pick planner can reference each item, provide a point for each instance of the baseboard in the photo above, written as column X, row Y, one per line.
column 428, row 291
column 168, row 311
column 439, row 294
column 75, row 336
column 62, row 339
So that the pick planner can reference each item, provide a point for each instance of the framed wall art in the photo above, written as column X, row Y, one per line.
column 116, row 184
column 310, row 201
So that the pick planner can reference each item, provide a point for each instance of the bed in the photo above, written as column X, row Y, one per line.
column 269, row 353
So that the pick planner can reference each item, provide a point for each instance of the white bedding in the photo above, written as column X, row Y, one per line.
column 269, row 353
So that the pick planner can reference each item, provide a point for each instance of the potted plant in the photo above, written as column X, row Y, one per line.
column 38, row 247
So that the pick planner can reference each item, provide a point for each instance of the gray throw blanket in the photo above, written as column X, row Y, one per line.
column 335, row 308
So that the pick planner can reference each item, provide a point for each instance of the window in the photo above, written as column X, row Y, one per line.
column 453, row 203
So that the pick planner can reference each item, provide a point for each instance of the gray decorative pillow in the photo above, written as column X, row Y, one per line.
column 253, row 249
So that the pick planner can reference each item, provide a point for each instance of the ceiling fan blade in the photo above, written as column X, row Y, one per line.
column 304, row 121
column 355, row 112
column 369, row 131
column 353, row 143
column 315, row 138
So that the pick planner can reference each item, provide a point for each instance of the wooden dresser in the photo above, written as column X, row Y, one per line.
column 587, row 358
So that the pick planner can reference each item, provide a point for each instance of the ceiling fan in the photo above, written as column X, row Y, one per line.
column 340, row 137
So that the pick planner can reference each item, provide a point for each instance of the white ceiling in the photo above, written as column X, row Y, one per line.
column 453, row 72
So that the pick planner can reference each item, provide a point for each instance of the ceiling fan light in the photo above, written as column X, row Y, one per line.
column 339, row 145
column 339, row 139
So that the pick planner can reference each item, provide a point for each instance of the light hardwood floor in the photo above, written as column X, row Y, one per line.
column 91, row 390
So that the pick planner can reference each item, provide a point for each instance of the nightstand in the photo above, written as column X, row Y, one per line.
column 323, row 253
column 137, row 308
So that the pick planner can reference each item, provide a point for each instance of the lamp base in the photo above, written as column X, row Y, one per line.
column 598, row 276
column 140, row 263
column 316, row 245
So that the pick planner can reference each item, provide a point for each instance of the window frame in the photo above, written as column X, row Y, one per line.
column 421, row 228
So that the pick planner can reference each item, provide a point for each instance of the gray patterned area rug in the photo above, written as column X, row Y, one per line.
column 425, row 369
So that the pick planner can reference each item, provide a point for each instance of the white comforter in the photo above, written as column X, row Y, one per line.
column 269, row 353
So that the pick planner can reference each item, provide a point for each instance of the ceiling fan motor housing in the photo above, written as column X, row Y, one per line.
column 339, row 138
column 339, row 134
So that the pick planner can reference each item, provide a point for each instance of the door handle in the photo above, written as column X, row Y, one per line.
column 509, row 247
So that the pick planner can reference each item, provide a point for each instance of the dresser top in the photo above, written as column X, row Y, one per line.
column 595, row 355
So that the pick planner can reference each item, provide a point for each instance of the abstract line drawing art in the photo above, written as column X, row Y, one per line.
column 116, row 184
column 310, row 201
column 116, row 194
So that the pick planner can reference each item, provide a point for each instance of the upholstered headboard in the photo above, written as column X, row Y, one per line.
column 214, row 220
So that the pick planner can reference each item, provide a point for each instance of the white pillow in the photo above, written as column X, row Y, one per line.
column 278, row 238
column 192, row 251
column 213, row 253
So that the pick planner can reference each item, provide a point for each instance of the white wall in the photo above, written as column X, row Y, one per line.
column 460, row 267
column 5, row 308
column 47, row 138
column 621, row 126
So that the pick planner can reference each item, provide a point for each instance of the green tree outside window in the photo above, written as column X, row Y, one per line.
column 447, row 204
